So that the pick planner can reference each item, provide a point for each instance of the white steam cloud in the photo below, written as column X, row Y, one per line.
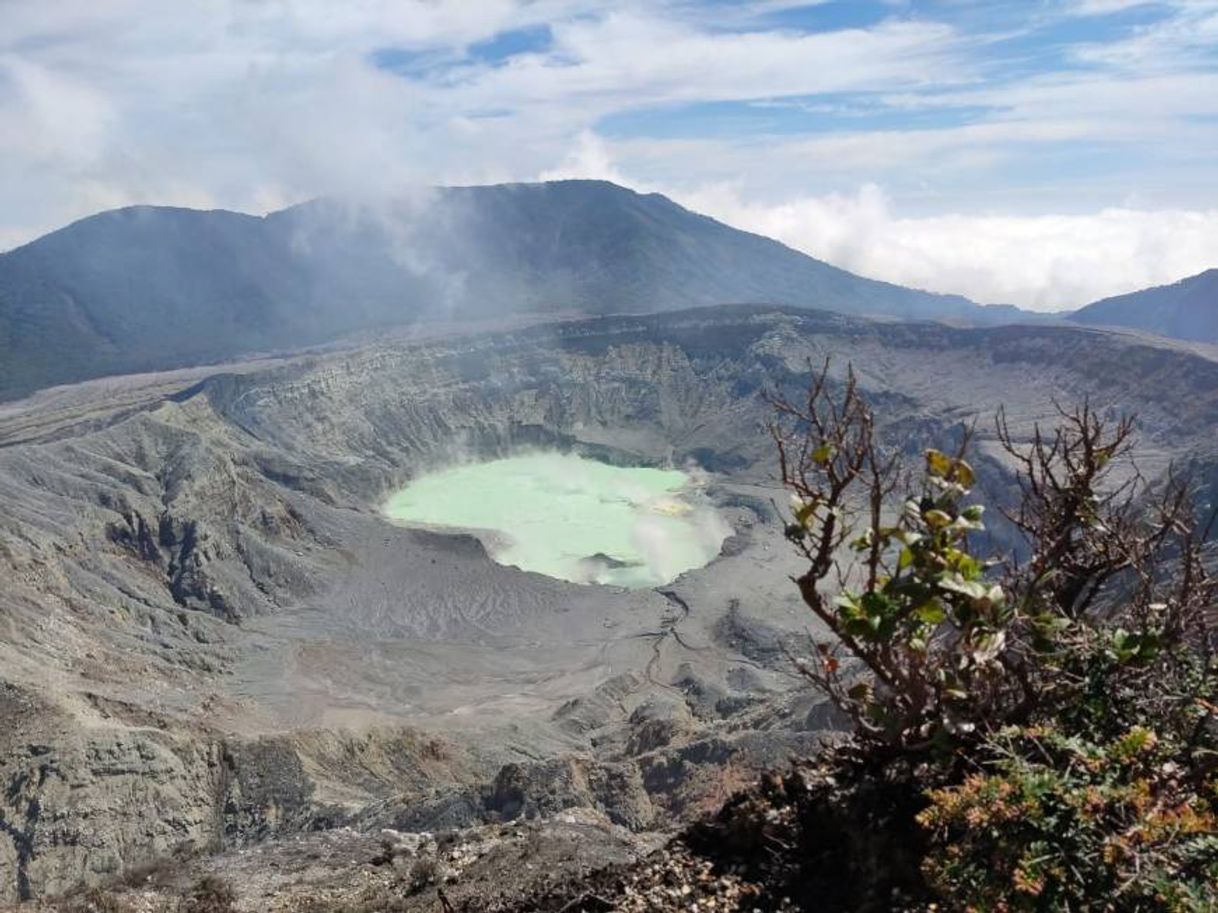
column 665, row 550
column 572, row 517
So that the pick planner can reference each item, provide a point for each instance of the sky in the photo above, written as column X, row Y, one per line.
column 1043, row 153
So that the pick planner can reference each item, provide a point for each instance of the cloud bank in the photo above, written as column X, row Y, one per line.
column 1045, row 262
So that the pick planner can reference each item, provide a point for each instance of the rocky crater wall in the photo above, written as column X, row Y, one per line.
column 208, row 634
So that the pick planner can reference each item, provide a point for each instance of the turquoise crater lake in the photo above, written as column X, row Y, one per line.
column 573, row 518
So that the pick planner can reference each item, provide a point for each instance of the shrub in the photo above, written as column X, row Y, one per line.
column 1051, row 721
column 97, row 900
column 1055, row 822
column 210, row 894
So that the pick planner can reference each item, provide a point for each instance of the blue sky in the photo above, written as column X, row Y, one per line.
column 1043, row 152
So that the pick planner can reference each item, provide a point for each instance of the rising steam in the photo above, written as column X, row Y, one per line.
column 574, row 518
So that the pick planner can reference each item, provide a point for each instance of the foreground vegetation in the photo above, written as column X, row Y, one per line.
column 1037, row 732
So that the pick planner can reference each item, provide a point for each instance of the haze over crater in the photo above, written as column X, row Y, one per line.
column 573, row 518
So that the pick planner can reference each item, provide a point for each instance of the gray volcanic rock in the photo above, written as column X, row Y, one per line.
column 76, row 797
column 210, row 634
column 545, row 790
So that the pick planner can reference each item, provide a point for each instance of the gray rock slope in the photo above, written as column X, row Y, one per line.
column 209, row 635
column 1186, row 310
column 150, row 288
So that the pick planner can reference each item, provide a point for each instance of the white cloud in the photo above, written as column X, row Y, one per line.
column 591, row 159
column 1189, row 37
column 1103, row 7
column 237, row 103
column 1044, row 262
column 253, row 105
column 627, row 58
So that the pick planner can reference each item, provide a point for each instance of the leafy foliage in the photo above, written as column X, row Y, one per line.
column 1057, row 717
column 1056, row 822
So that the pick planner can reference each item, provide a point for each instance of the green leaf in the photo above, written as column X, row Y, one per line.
column 860, row 692
column 1134, row 647
column 805, row 512
column 989, row 647
column 931, row 612
column 936, row 519
column 954, row 583
column 875, row 603
column 964, row 474
column 940, row 466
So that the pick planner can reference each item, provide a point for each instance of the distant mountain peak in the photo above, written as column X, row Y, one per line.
column 1186, row 309
column 149, row 287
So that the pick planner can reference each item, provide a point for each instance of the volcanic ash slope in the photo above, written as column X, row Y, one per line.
column 212, row 635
